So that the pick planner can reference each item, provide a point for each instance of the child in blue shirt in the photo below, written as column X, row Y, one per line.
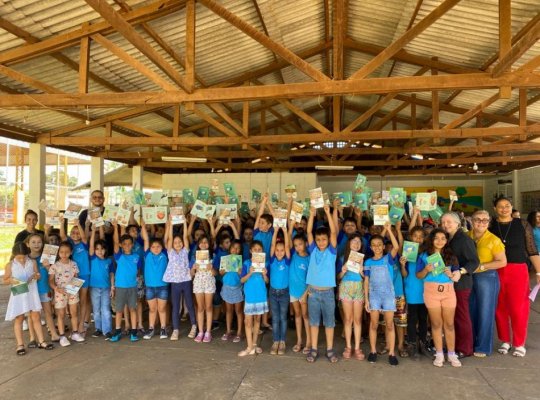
column 256, row 301
column 101, row 282
column 280, row 260
column 232, row 294
column 133, row 231
column 379, row 292
column 439, row 294
column 157, row 291
column 321, row 281
column 125, row 279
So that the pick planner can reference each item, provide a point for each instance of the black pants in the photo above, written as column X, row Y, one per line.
column 416, row 315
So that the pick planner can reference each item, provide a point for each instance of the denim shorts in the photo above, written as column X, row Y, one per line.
column 322, row 302
column 86, row 279
column 44, row 297
column 160, row 292
column 379, row 301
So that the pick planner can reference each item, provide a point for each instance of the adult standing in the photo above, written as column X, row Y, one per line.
column 485, row 291
column 512, row 314
column 97, row 198
column 534, row 220
column 31, row 220
column 465, row 251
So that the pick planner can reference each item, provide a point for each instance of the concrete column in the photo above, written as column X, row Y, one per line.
column 516, row 192
column 137, row 177
column 97, row 181
column 37, row 159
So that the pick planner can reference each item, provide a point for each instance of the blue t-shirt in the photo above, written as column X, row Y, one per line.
column 138, row 249
column 349, row 275
column 297, row 274
column 414, row 287
column 154, row 268
column 216, row 261
column 265, row 238
column 322, row 266
column 81, row 257
column 232, row 278
column 100, row 269
column 342, row 240
column 398, row 278
column 279, row 272
column 43, row 283
column 254, row 287
column 536, row 233
column 380, row 280
column 246, row 252
column 421, row 264
column 127, row 266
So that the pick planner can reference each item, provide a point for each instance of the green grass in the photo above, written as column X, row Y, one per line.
column 7, row 236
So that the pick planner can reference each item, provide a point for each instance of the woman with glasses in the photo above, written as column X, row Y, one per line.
column 483, row 300
column 512, row 314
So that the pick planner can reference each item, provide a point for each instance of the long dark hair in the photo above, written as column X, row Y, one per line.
column 531, row 218
column 348, row 246
column 447, row 254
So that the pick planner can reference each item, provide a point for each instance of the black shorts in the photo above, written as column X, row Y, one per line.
column 125, row 296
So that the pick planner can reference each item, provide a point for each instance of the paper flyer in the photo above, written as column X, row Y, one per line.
column 534, row 292
column 380, row 214
column 177, row 215
column 258, row 261
column 355, row 262
column 94, row 215
column 72, row 211
column 316, row 198
column 231, row 263
column 281, row 218
column 297, row 211
column 74, row 286
column 49, row 253
column 410, row 250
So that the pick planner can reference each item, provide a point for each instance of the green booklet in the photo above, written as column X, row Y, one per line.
column 256, row 195
column 231, row 263
column 398, row 197
column 244, row 208
column 203, row 193
column 229, row 189
column 438, row 263
column 19, row 288
column 345, row 198
column 360, row 181
column 410, row 250
column 274, row 198
column 187, row 194
column 395, row 214
column 361, row 201
column 436, row 214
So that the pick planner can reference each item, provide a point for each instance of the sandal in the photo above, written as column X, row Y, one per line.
column 383, row 351
column 403, row 353
column 479, row 355
column 258, row 350
column 503, row 349
column 32, row 345
column 331, row 356
column 246, row 352
column 519, row 351
column 359, row 355
column 347, row 353
column 312, row 356
column 237, row 339
column 45, row 346
column 306, row 350
column 21, row 350
column 225, row 337
column 296, row 348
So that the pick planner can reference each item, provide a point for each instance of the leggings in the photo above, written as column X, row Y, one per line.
column 177, row 290
column 416, row 313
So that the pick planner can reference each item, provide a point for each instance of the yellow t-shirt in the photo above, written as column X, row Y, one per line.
column 487, row 246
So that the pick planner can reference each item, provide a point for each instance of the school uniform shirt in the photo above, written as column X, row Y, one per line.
column 127, row 266
column 297, row 274
column 322, row 266
column 342, row 240
column 414, row 287
column 100, row 270
column 265, row 238
column 279, row 273
column 384, row 262
column 254, row 287
column 246, row 252
column 154, row 268
column 81, row 257
column 421, row 264
column 216, row 261
column 349, row 275
column 398, row 279
column 43, row 282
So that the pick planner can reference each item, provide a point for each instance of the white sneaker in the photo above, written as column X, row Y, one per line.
column 43, row 322
column 192, row 332
column 76, row 336
column 24, row 325
column 174, row 335
column 64, row 342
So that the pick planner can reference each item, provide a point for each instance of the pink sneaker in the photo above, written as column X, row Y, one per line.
column 207, row 337
column 199, row 337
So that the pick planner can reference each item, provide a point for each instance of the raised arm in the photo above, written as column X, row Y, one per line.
column 81, row 232
column 274, row 240
column 264, row 200
column 287, row 240
column 399, row 236
column 144, row 235
column 190, row 229
column 116, row 239
column 91, row 250
column 395, row 244
column 289, row 232
column 332, row 225
column 168, row 236
column 310, row 225
column 235, row 230
column 63, row 236
column 335, row 214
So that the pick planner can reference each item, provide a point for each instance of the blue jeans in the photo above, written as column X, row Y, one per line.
column 482, row 304
column 279, row 304
column 322, row 303
column 101, row 307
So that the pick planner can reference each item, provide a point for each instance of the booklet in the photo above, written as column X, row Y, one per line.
column 410, row 250
column 231, row 263
column 274, row 198
column 224, row 215
column 258, row 261
column 122, row 216
column 438, row 263
column 376, row 198
column 380, row 214
column 436, row 214
column 297, row 211
column 290, row 190
column 199, row 209
column 155, row 215
column 72, row 211
column 187, row 194
column 19, row 288
column 202, row 258
column 385, row 196
column 49, row 253
column 177, row 215
column 233, row 210
column 398, row 197
column 74, row 286
column 52, row 217
column 209, row 211
column 326, row 199
column 203, row 194
column 256, row 195
column 355, row 262
column 155, row 198
column 396, row 213
column 229, row 189
column 280, row 220
column 345, row 198
column 360, row 182
column 94, row 215
column 426, row 201
column 316, row 197
column 452, row 195
column 110, row 213
column 361, row 201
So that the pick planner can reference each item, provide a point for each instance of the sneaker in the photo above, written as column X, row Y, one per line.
column 24, row 325
column 199, row 337
column 372, row 357
column 454, row 360
column 225, row 337
column 97, row 333
column 393, row 361
column 149, row 333
column 140, row 331
column 64, row 342
column 76, row 336
column 108, row 336
column 274, row 349
column 192, row 332
column 426, row 348
column 133, row 337
column 163, row 334
column 207, row 337
column 439, row 360
column 281, row 348
column 174, row 335
column 116, row 337
column 43, row 322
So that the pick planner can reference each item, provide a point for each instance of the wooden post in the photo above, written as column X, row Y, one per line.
column 176, row 125
column 84, row 64
column 190, row 43
column 505, row 39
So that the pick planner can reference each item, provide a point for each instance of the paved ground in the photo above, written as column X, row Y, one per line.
column 187, row 370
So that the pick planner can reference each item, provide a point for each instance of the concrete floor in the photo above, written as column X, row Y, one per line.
column 187, row 370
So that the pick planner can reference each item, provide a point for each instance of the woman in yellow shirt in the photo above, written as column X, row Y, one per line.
column 485, row 290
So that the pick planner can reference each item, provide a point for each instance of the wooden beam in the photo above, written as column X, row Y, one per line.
column 292, row 90
column 306, row 117
column 245, row 118
column 266, row 41
column 435, row 106
column 290, row 138
column 339, row 33
column 108, row 134
column 139, row 129
column 215, row 123
column 505, row 39
column 176, row 125
column 190, row 44
column 473, row 112
column 27, row 80
column 409, row 35
column 219, row 110
column 84, row 64
column 123, row 27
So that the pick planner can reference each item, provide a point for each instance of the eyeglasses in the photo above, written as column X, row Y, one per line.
column 481, row 221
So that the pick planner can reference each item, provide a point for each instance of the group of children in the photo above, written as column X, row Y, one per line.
column 306, row 268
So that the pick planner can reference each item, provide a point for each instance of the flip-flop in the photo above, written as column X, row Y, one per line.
column 246, row 352
column 21, row 350
column 306, row 350
column 312, row 356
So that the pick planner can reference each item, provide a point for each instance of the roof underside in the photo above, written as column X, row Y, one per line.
column 374, row 128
